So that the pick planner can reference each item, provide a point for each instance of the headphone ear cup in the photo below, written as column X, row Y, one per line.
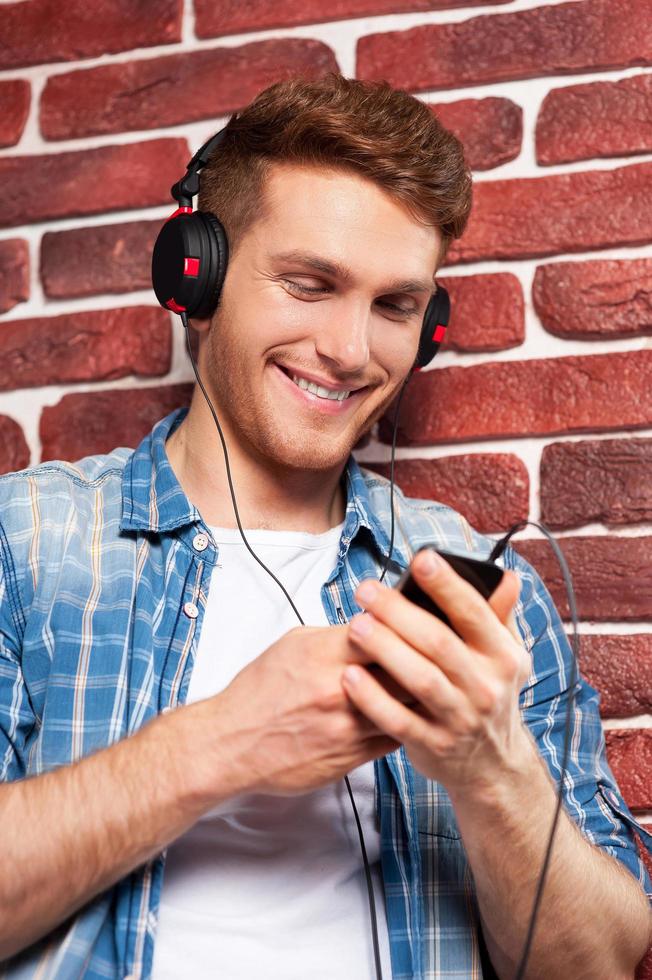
column 435, row 321
column 217, row 252
column 189, row 263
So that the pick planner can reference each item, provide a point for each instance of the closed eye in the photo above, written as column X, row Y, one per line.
column 320, row 290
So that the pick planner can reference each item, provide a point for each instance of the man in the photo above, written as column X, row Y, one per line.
column 154, row 713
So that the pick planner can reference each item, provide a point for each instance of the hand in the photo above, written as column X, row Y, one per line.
column 290, row 727
column 466, row 728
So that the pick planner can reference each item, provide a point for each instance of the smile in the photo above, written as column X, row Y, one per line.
column 319, row 390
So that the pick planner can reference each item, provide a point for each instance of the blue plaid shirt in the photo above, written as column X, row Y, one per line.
column 97, row 561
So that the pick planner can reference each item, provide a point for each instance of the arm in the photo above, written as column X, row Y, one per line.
column 594, row 921
column 70, row 834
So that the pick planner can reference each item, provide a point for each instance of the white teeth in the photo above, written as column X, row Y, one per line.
column 319, row 389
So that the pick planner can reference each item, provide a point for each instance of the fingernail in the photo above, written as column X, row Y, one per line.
column 361, row 624
column 430, row 562
column 367, row 591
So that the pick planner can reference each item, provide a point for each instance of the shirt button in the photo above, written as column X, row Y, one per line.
column 191, row 610
column 200, row 542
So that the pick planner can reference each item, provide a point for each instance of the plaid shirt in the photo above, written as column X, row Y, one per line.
column 97, row 563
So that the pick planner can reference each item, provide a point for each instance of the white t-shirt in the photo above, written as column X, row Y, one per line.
column 265, row 885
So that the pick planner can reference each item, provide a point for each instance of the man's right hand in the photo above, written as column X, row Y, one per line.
column 285, row 724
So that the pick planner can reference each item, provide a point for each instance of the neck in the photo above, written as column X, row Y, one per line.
column 278, row 498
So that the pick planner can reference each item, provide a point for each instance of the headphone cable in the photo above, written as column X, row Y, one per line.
column 370, row 891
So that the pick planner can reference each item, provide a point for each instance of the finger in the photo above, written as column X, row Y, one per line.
column 457, row 705
column 391, row 717
column 420, row 629
column 505, row 596
column 471, row 616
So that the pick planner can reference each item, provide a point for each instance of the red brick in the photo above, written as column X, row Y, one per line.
column 600, row 119
column 561, row 39
column 15, row 96
column 491, row 129
column 174, row 89
column 574, row 212
column 97, row 346
column 102, row 259
column 487, row 312
column 490, row 489
column 110, row 178
column 14, row 451
column 591, row 300
column 620, row 667
column 47, row 30
column 218, row 17
column 99, row 421
column 523, row 398
column 602, row 480
column 14, row 273
column 644, row 969
column 629, row 751
column 611, row 576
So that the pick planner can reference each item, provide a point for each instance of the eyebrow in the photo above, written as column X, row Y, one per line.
column 312, row 261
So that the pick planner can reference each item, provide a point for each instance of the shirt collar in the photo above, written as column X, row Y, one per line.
column 153, row 500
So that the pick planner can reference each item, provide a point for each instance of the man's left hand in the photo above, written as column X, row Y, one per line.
column 465, row 730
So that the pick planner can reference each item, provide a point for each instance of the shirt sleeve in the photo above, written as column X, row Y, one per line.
column 591, row 794
column 17, row 718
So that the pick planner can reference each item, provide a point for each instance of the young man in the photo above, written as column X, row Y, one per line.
column 169, row 712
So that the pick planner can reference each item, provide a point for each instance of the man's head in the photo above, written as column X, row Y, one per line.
column 339, row 199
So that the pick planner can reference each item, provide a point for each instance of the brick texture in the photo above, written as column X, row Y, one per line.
column 491, row 129
column 629, row 751
column 487, row 312
column 97, row 346
column 14, row 451
column 612, row 577
column 219, row 17
column 620, row 668
column 490, row 489
column 47, row 30
column 15, row 96
column 61, row 185
column 522, row 398
column 528, row 217
column 600, row 119
column 592, row 300
column 99, row 421
column 14, row 273
column 174, row 89
column 102, row 259
column 566, row 38
column 601, row 480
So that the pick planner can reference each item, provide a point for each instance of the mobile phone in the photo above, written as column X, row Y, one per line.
column 483, row 575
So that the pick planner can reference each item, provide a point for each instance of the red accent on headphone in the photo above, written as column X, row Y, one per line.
column 174, row 306
column 190, row 267
column 438, row 335
column 178, row 211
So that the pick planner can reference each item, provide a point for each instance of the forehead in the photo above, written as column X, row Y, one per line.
column 346, row 217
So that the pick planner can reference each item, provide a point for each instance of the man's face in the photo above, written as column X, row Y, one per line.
column 328, row 287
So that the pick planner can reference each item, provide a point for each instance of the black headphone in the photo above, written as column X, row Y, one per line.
column 191, row 254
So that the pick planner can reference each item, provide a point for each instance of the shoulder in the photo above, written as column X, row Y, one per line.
column 43, row 498
column 421, row 521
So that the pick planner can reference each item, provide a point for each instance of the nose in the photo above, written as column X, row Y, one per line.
column 344, row 341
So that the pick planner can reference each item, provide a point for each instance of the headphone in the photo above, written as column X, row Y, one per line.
column 191, row 254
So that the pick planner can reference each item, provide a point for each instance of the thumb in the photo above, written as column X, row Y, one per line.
column 504, row 599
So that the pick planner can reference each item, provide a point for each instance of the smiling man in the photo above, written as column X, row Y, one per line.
column 174, row 746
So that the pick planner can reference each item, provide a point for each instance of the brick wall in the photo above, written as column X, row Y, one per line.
column 542, row 404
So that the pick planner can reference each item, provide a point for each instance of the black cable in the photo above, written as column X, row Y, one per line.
column 370, row 890
column 391, row 475
column 496, row 553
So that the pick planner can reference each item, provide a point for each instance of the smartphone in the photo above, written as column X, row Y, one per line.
column 483, row 575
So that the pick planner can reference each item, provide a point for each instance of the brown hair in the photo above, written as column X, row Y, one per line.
column 379, row 132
